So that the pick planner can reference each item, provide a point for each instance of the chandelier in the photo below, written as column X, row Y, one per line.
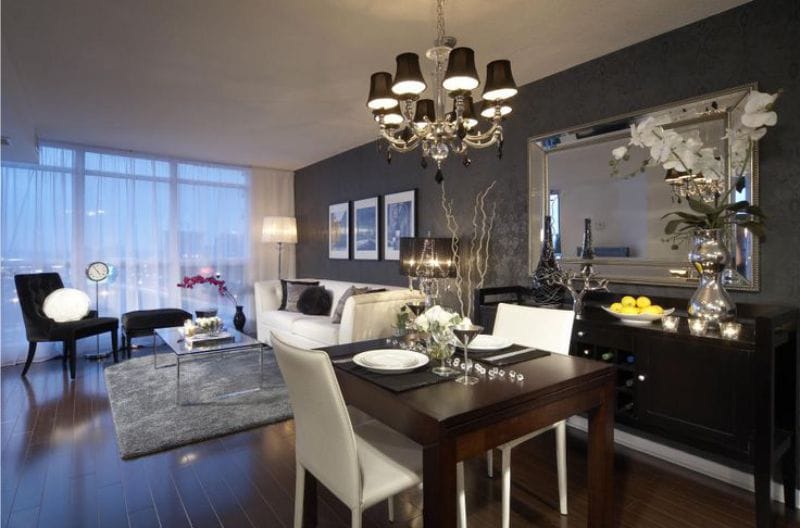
column 697, row 186
column 406, row 121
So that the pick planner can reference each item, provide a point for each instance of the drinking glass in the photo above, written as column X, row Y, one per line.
column 466, row 334
column 440, row 346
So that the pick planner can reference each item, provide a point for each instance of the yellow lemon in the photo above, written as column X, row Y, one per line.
column 616, row 307
column 628, row 301
column 643, row 302
column 630, row 310
column 654, row 309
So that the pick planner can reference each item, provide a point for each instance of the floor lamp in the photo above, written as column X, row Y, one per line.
column 279, row 230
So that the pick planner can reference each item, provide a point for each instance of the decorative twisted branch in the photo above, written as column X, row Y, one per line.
column 471, row 268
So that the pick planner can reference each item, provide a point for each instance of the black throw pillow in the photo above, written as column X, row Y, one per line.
column 291, row 293
column 315, row 300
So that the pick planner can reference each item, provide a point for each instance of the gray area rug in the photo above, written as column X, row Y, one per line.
column 148, row 419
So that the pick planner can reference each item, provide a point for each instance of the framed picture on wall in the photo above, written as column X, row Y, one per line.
column 399, row 213
column 339, row 231
column 365, row 229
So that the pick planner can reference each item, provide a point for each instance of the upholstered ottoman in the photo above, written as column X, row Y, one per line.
column 142, row 323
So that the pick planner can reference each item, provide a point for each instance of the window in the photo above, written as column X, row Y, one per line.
column 555, row 220
column 153, row 219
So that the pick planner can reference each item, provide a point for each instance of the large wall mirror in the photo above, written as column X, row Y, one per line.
column 570, row 179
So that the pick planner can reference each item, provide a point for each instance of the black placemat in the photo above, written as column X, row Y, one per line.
column 484, row 355
column 422, row 377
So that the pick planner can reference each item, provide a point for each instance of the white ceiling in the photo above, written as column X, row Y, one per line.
column 274, row 83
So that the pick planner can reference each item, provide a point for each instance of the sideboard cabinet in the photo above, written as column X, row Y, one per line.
column 736, row 401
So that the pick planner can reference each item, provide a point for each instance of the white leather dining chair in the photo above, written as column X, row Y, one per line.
column 544, row 329
column 361, row 466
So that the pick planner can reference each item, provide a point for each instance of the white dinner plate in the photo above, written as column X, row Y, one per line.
column 639, row 319
column 489, row 342
column 390, row 360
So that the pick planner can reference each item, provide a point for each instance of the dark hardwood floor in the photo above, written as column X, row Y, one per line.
column 60, row 468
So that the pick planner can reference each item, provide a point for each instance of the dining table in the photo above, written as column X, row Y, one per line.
column 454, row 422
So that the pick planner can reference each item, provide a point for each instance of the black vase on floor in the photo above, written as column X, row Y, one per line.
column 239, row 319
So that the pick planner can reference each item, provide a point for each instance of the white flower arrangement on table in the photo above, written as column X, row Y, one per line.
column 436, row 319
column 209, row 325
column 438, row 323
column 700, row 169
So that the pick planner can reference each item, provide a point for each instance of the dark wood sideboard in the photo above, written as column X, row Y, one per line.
column 733, row 401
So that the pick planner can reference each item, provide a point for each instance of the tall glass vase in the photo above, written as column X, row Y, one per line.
column 710, row 256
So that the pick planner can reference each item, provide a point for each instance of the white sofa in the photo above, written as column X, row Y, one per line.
column 365, row 316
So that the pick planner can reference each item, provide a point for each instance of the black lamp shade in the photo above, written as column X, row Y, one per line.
column 380, row 92
column 411, row 258
column 461, row 75
column 500, row 83
column 408, row 80
column 424, row 109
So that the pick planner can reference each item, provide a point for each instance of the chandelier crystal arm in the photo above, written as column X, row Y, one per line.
column 400, row 145
column 486, row 139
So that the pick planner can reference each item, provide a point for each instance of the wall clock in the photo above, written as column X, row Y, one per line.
column 97, row 271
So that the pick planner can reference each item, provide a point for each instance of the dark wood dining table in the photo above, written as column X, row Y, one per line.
column 454, row 422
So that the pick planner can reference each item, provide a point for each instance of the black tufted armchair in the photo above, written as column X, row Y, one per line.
column 32, row 290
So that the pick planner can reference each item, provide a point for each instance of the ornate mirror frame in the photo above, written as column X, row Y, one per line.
column 725, row 105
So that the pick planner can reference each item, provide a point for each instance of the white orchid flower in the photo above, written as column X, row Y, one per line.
column 661, row 150
column 759, row 102
column 759, row 119
column 758, row 110
column 619, row 152
column 648, row 132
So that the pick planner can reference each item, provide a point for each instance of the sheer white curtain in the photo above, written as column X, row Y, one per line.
column 36, row 215
column 154, row 219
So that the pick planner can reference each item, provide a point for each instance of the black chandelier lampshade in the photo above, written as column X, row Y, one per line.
column 500, row 83
column 380, row 92
column 461, row 75
column 408, row 80
column 424, row 109
column 439, row 263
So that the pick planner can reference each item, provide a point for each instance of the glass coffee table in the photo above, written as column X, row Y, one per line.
column 241, row 343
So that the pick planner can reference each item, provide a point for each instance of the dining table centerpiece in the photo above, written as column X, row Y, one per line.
column 437, row 324
column 709, row 184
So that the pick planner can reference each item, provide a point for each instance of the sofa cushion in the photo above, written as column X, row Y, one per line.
column 315, row 301
column 280, row 320
column 291, row 293
column 317, row 328
column 336, row 318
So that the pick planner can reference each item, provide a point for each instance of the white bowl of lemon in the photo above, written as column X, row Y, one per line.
column 637, row 310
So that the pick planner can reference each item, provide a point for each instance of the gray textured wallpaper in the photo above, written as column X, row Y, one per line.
column 757, row 42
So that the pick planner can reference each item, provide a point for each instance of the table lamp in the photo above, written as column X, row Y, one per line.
column 427, row 259
column 279, row 230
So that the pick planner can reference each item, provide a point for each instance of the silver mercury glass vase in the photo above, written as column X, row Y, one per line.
column 710, row 256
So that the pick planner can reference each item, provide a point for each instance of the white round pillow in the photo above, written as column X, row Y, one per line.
column 66, row 304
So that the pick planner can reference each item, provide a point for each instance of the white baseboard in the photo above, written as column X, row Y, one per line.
column 726, row 474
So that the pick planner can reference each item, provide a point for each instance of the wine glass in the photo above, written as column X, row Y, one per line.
column 466, row 334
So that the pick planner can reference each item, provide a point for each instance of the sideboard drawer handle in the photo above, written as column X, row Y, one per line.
column 581, row 333
column 586, row 352
column 641, row 377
